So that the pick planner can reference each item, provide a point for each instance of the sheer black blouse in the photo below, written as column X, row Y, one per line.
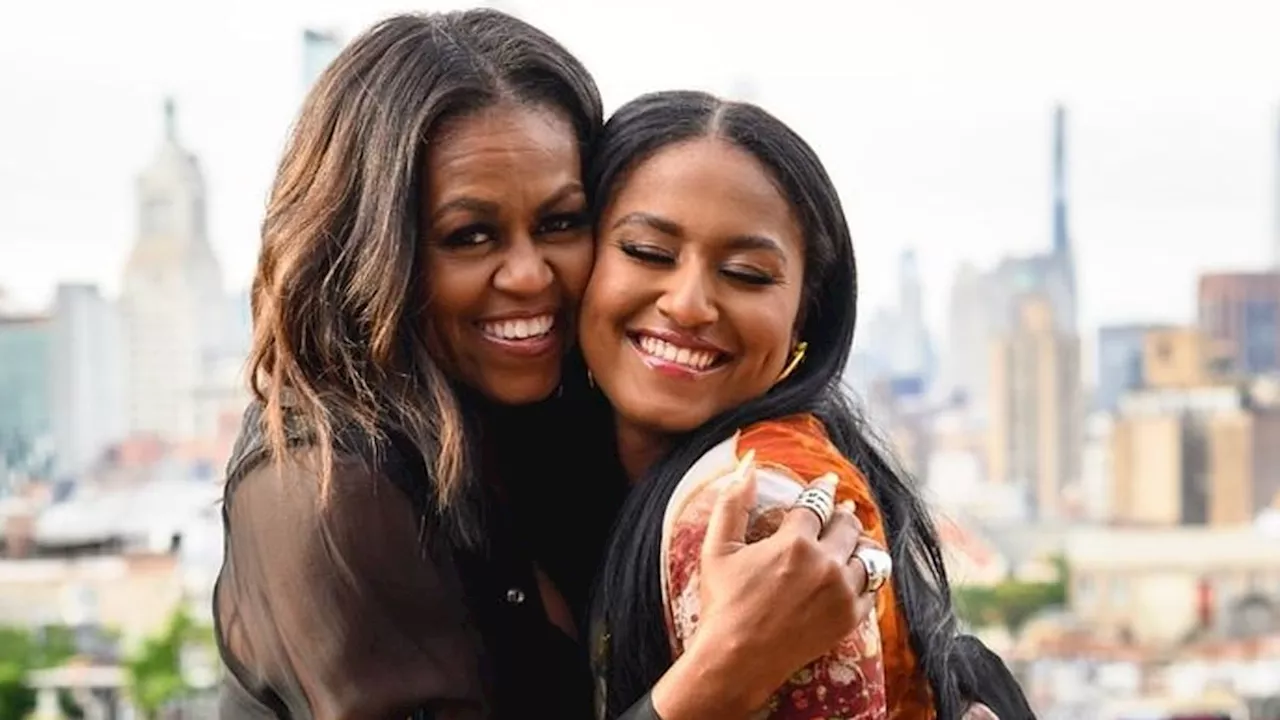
column 354, row 607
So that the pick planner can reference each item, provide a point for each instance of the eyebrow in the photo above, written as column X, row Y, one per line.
column 488, row 207
column 673, row 229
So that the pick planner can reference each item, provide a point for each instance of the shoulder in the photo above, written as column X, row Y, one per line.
column 792, row 451
column 800, row 446
column 359, row 466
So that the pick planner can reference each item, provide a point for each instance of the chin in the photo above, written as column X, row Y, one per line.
column 667, row 419
column 525, row 392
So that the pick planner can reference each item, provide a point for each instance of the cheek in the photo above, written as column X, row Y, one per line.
column 455, row 289
column 572, row 265
column 769, row 334
column 610, row 293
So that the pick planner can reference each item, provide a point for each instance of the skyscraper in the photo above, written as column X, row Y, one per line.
column 1275, row 202
column 1060, row 242
column 911, row 356
column 172, row 303
column 1034, row 435
column 319, row 48
column 88, row 389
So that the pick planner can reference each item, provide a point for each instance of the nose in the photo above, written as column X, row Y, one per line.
column 524, row 270
column 688, row 299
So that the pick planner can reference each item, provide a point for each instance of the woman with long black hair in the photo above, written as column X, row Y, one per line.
column 717, row 322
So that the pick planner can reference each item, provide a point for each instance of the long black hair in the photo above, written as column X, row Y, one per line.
column 629, row 596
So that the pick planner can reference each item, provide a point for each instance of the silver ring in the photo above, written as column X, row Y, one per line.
column 818, row 501
column 878, row 564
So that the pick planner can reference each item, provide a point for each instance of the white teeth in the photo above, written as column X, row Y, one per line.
column 521, row 329
column 663, row 350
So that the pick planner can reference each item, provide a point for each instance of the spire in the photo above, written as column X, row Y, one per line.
column 1275, row 205
column 170, row 119
column 1061, row 238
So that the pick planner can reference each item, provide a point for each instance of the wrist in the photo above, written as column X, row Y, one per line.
column 710, row 679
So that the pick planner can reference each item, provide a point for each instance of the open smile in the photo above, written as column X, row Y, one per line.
column 532, row 335
column 671, row 357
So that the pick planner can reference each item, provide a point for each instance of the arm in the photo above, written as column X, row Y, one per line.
column 336, row 610
column 848, row 681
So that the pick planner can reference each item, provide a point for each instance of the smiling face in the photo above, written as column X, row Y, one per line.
column 508, row 249
column 693, row 303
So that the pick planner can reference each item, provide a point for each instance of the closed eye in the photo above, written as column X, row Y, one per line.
column 749, row 276
column 648, row 254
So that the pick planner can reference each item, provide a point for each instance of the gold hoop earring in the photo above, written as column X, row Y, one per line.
column 797, row 356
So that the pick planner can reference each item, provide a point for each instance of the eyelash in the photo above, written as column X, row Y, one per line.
column 650, row 255
column 478, row 234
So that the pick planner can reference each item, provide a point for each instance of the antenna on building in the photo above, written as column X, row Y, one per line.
column 170, row 118
column 1275, row 196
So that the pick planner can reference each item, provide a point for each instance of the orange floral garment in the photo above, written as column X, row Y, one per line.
column 872, row 673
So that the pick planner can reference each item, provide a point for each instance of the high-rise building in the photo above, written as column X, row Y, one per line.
column 1192, row 447
column 1034, row 429
column 172, row 302
column 1275, row 202
column 969, row 319
column 25, row 349
column 1120, row 353
column 989, row 303
column 1240, row 315
column 319, row 48
column 911, row 355
column 88, row 378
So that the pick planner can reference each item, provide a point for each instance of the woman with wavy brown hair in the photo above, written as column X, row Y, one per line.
column 418, row 500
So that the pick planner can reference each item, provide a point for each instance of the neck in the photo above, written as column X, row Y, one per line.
column 639, row 448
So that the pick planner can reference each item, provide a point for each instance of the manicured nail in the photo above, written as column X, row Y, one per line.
column 827, row 482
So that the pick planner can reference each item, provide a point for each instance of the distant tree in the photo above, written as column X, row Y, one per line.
column 22, row 651
column 1011, row 603
column 155, row 669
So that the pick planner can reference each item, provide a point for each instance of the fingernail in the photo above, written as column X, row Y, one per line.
column 828, row 482
column 849, row 506
column 744, row 464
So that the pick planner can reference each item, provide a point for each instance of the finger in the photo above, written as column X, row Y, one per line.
column 857, row 574
column 803, row 521
column 863, row 608
column 858, row 569
column 841, row 536
column 727, row 527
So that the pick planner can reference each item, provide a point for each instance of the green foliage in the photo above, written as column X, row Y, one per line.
column 155, row 669
column 1011, row 603
column 22, row 651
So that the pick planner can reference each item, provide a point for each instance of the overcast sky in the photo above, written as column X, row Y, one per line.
column 933, row 117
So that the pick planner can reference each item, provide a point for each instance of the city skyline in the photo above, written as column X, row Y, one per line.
column 934, row 141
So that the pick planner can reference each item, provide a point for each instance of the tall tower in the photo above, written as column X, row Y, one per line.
column 1275, row 203
column 1063, row 255
column 172, row 303
column 319, row 48
column 911, row 358
column 1033, row 435
column 1061, row 237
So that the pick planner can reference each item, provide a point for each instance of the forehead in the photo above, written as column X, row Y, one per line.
column 712, row 189
column 505, row 142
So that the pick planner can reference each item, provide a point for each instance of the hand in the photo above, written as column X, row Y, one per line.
column 776, row 605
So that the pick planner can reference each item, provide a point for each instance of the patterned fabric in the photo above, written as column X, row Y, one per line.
column 872, row 673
